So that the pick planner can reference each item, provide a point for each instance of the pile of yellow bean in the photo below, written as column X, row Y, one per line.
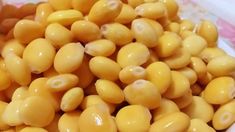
column 112, row 65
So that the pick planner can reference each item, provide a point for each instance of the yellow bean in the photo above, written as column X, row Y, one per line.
column 104, row 11
column 126, row 15
column 151, row 10
column 166, row 107
column 33, row 129
column 84, row 73
column 173, row 27
column 198, row 66
column 36, row 111
column 186, row 25
column 172, row 7
column 71, row 99
column 27, row 30
column 13, row 46
column 5, row 80
column 10, row 90
column 3, row 125
column 156, row 25
column 69, row 122
column 130, row 74
column 210, row 53
column 140, row 28
column 200, row 109
column 111, row 70
column 39, row 55
column 65, row 17
column 11, row 115
column 224, row 116
column 83, row 5
column 117, row 33
column 190, row 74
column 135, row 3
column 147, row 93
column 168, row 44
column 160, row 75
column 221, row 66
column 109, row 91
column 2, row 64
column 60, row 4
column 194, row 44
column 198, row 125
column 153, row 58
column 92, row 100
column 177, row 122
column 42, row 12
column 179, row 59
column 179, row 86
column 18, row 69
column 133, row 118
column 20, row 93
column 209, row 32
column 184, row 100
column 62, row 82
column 20, row 127
column 7, row 24
column 38, row 88
column 133, row 54
column 101, row 47
column 79, row 29
column 69, row 58
column 223, row 88
column 53, row 33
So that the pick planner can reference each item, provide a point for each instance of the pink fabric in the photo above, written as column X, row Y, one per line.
column 226, row 30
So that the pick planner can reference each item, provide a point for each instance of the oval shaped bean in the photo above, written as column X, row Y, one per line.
column 179, row 59
column 126, row 15
column 109, row 91
column 223, row 88
column 210, row 53
column 104, row 11
column 186, row 25
column 140, row 28
column 111, row 70
column 160, row 75
column 190, row 74
column 133, row 118
column 147, row 93
column 198, row 125
column 156, row 25
column 184, row 100
column 71, row 99
column 209, row 32
column 130, row 74
column 65, row 17
column 179, row 86
column 168, row 44
column 69, row 58
column 5, row 80
column 117, row 33
column 54, row 34
column 7, row 24
column 79, row 29
column 221, row 66
column 166, row 107
column 26, row 9
column 36, row 111
column 33, row 129
column 38, row 88
column 18, row 69
column 3, row 125
column 83, row 5
column 173, row 27
column 151, row 10
column 224, row 116
column 172, row 7
column 20, row 93
column 200, row 109
column 27, row 30
column 176, row 121
column 69, row 122
column 96, row 118
column 198, row 66
column 133, row 54
column 13, row 46
column 102, row 47
column 42, row 12
column 60, row 4
column 11, row 115
column 39, row 55
column 194, row 44
column 62, row 82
